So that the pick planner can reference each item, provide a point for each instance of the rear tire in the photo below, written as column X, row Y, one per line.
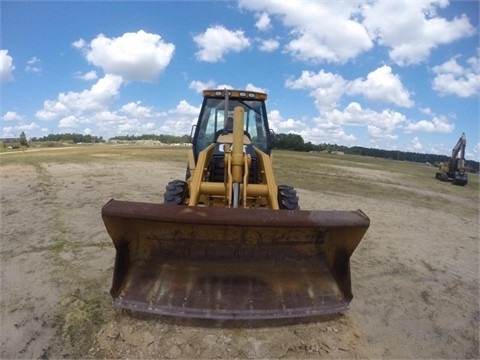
column 175, row 193
column 287, row 198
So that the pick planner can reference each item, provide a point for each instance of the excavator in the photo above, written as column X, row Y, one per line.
column 228, row 242
column 454, row 170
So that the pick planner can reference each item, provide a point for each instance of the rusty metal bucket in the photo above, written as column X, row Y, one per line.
column 224, row 263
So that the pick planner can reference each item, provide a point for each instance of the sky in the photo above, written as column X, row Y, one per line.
column 395, row 75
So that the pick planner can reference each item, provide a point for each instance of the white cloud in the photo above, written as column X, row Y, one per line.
column 12, row 116
column 91, row 75
column 269, row 45
column 315, row 28
column 79, row 44
column 199, row 86
column 100, row 95
column 263, row 22
column 33, row 65
column 8, row 132
column 6, row 66
column 437, row 124
column 69, row 123
column 134, row 56
column 379, row 124
column 454, row 79
column 134, row 109
column 426, row 111
column 326, row 88
column 14, row 131
column 251, row 87
column 331, row 127
column 332, row 31
column 416, row 144
column 282, row 125
column 28, row 127
column 217, row 41
column 412, row 29
column 382, row 86
column 181, row 119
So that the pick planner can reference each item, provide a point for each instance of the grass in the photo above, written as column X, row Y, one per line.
column 344, row 174
column 402, row 181
column 95, row 153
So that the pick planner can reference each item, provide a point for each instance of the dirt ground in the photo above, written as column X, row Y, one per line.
column 415, row 276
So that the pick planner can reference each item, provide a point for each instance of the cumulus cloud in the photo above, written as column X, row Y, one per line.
column 382, row 85
column 217, row 41
column 284, row 125
column 181, row 119
column 91, row 75
column 33, row 65
column 136, row 110
column 263, row 22
column 69, row 123
column 380, row 124
column 323, row 129
column 454, row 79
column 437, row 124
column 199, row 86
column 415, row 144
column 97, row 98
column 6, row 66
column 330, row 31
column 269, row 45
column 12, row 116
column 313, row 27
column 134, row 56
column 326, row 88
column 412, row 29
column 251, row 87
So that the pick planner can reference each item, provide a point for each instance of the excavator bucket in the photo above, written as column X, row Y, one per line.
column 237, row 264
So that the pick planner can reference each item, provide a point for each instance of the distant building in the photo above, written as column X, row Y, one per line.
column 10, row 142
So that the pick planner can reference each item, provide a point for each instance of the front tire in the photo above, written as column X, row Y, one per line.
column 176, row 193
column 287, row 198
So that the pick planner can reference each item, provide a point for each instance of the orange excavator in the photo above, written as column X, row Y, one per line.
column 228, row 242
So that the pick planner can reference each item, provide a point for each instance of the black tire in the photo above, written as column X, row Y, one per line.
column 442, row 176
column 175, row 193
column 458, row 179
column 287, row 198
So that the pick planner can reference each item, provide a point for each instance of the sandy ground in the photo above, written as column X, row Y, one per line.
column 415, row 276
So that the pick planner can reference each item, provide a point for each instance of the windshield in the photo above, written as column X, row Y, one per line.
column 212, row 122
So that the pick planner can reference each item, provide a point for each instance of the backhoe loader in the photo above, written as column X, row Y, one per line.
column 228, row 243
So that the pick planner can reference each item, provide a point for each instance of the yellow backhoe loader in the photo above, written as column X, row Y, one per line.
column 228, row 242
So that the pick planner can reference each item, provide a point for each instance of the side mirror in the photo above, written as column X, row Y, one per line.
column 272, row 139
column 192, row 132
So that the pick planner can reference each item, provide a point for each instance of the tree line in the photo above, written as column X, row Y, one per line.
column 165, row 139
column 295, row 142
column 74, row 138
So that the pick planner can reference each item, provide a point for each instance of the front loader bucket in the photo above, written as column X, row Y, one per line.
column 225, row 263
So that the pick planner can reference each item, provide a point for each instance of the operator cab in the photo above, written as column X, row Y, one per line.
column 218, row 105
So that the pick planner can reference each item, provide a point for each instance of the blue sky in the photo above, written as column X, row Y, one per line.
column 383, row 74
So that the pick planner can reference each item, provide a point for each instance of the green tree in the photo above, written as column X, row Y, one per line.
column 23, row 139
